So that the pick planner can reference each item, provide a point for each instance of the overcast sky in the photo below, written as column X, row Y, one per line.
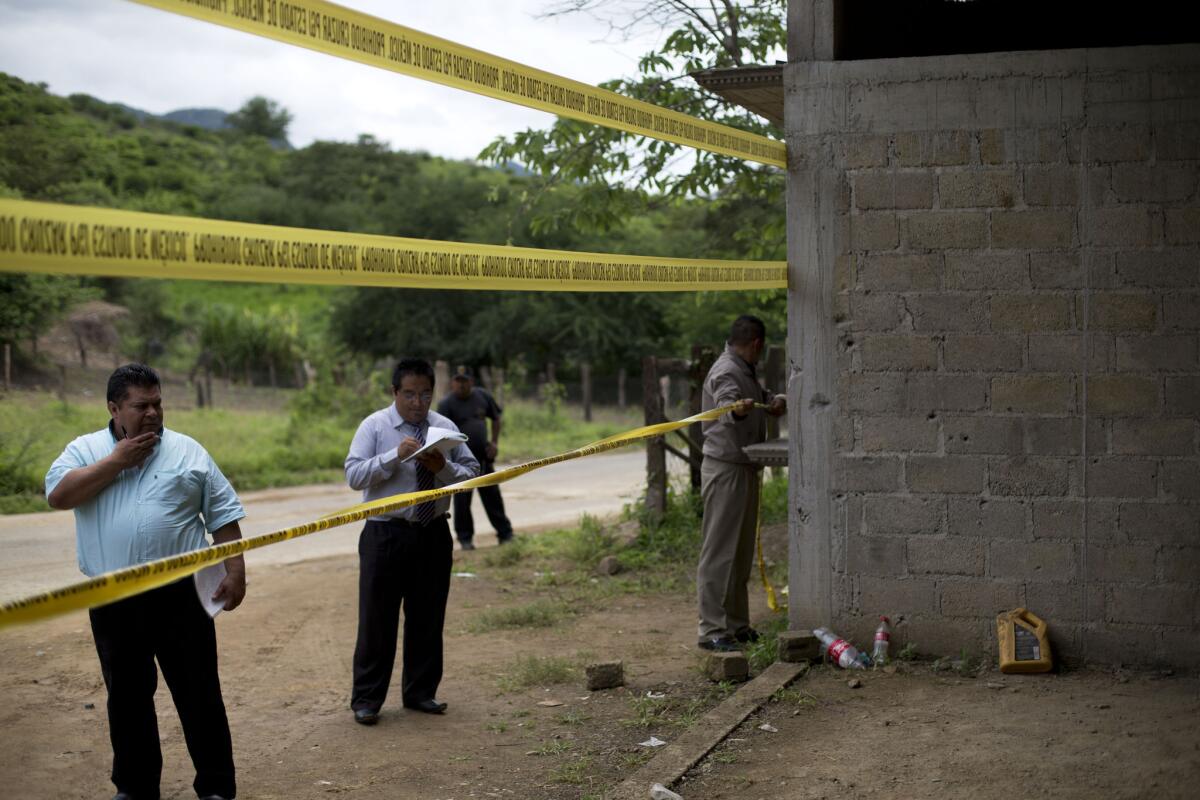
column 120, row 51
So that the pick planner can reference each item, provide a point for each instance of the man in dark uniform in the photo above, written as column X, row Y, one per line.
column 469, row 407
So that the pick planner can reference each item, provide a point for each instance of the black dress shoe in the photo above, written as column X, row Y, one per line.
column 466, row 545
column 212, row 797
column 122, row 796
column 720, row 644
column 747, row 636
column 427, row 706
column 365, row 716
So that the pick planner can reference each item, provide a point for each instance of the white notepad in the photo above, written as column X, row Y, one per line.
column 442, row 439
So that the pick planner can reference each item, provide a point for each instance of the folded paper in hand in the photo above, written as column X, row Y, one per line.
column 208, row 580
column 442, row 439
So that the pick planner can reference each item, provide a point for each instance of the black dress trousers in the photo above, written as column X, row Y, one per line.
column 493, row 504
column 401, row 565
column 170, row 625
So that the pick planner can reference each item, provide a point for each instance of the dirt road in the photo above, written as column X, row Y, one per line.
column 38, row 550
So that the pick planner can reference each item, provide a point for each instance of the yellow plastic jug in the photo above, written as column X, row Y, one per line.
column 1023, row 643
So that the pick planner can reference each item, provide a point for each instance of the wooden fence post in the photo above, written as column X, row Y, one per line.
column 656, row 453
column 702, row 361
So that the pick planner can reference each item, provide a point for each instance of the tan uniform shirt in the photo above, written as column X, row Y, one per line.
column 731, row 379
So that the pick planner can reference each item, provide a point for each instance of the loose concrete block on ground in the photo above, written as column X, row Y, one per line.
column 726, row 667
column 605, row 675
column 798, row 646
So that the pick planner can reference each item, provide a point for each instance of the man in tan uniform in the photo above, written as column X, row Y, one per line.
column 729, row 486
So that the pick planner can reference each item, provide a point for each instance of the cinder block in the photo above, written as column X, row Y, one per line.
column 1122, row 226
column 1060, row 270
column 1051, row 186
column 1058, row 519
column 980, row 598
column 1031, row 312
column 1163, row 183
column 1028, row 146
column 948, row 311
column 1055, row 436
column 938, row 230
column 987, row 518
column 901, row 272
column 982, row 352
column 799, row 646
column 883, row 556
column 888, row 189
column 1044, row 229
column 1121, row 563
column 895, row 434
column 1151, row 605
column 1183, row 395
column 1039, row 561
column 1179, row 564
column 932, row 393
column 1181, row 311
column 1056, row 352
column 1126, row 143
column 1177, row 141
column 997, row 435
column 945, row 474
column 1154, row 437
column 1181, row 479
column 605, row 675
column 1122, row 644
column 1158, row 353
column 1174, row 268
column 942, row 555
column 1182, row 225
column 864, row 150
column 874, row 231
column 933, row 149
column 981, row 270
column 1162, row 523
column 726, row 667
column 899, row 352
column 1033, row 394
column 1030, row 476
column 1122, row 395
column 872, row 474
column 874, row 311
column 876, row 393
column 937, row 636
column 1123, row 311
column 888, row 516
column 1058, row 603
column 976, row 188
column 895, row 597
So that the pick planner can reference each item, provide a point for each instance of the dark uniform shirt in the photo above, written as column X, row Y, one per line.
column 471, row 415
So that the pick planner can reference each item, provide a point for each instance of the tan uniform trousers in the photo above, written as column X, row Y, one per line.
column 730, row 494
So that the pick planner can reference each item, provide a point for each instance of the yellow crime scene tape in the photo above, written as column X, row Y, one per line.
column 122, row 583
column 349, row 34
column 82, row 240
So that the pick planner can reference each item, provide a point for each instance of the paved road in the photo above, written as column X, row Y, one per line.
column 37, row 551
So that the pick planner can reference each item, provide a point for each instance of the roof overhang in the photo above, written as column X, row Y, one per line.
column 757, row 89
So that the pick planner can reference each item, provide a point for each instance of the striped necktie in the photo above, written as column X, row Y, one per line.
column 423, row 513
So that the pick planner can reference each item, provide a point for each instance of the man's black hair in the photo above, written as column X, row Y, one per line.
column 746, row 329
column 412, row 366
column 130, row 375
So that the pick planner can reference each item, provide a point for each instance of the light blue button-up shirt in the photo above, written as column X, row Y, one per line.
column 373, row 465
column 162, row 508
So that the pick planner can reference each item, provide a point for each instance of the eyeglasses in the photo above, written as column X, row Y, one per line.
column 410, row 397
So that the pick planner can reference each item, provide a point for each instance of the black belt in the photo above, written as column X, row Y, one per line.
column 404, row 524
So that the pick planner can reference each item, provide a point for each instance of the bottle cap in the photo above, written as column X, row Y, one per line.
column 884, row 619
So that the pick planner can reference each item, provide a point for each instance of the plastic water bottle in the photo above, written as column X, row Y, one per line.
column 883, row 638
column 841, row 652
column 660, row 792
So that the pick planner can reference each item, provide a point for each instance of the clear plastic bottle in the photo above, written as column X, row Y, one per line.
column 841, row 652
column 883, row 638
column 660, row 792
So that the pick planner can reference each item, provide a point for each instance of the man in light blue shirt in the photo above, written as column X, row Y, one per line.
column 142, row 492
column 404, row 555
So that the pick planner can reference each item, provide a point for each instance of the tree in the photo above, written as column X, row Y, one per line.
column 621, row 174
column 261, row 117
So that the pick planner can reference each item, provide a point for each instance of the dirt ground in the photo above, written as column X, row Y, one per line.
column 286, row 666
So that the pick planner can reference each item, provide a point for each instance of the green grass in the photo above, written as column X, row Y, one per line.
column 529, row 671
column 256, row 449
column 538, row 614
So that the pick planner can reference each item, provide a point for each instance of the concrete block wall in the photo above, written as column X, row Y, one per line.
column 1014, row 292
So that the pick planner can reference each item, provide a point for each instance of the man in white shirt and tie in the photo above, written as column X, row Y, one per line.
column 405, row 555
